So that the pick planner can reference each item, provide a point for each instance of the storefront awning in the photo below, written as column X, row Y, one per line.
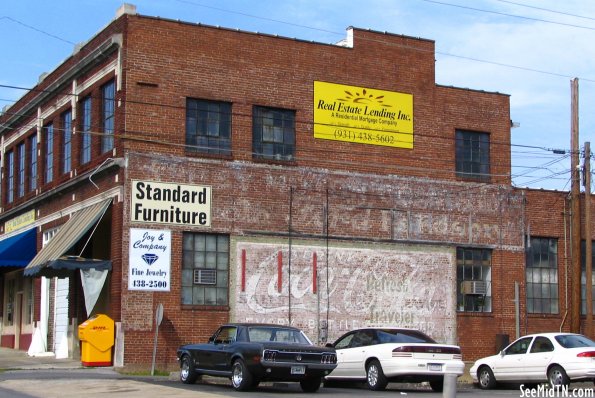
column 18, row 250
column 68, row 235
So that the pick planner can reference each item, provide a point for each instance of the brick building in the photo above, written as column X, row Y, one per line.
column 229, row 175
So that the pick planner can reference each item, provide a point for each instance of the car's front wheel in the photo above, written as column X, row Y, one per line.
column 311, row 384
column 187, row 373
column 375, row 377
column 486, row 378
column 557, row 376
column 241, row 378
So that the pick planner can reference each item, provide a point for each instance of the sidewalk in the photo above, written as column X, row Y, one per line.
column 15, row 359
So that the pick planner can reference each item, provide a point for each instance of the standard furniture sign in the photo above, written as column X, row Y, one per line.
column 170, row 203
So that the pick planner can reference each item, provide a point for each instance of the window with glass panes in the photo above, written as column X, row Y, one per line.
column 205, row 269
column 474, row 280
column 273, row 133
column 584, row 277
column 33, row 162
column 109, row 112
column 472, row 153
column 21, row 174
column 49, row 152
column 208, row 126
column 86, row 130
column 542, row 276
column 66, row 141
column 10, row 176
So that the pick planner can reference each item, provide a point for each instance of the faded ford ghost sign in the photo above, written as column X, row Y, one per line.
column 170, row 203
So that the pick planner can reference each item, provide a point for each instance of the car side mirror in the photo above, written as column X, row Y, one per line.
column 502, row 353
column 329, row 345
column 211, row 339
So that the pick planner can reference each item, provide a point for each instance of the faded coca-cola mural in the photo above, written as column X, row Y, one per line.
column 375, row 285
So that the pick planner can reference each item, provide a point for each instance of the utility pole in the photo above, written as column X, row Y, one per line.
column 588, row 247
column 575, row 218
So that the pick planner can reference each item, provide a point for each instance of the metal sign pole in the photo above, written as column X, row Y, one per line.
column 158, row 319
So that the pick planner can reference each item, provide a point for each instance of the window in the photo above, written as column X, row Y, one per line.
column 10, row 177
column 208, row 126
column 474, row 280
column 67, row 141
column 33, row 162
column 21, row 173
column 49, row 152
column 205, row 269
column 86, row 130
column 541, row 344
column 542, row 276
column 273, row 135
column 473, row 155
column 519, row 347
column 584, row 277
column 108, row 92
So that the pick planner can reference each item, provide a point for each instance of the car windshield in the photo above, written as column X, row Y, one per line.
column 574, row 341
column 284, row 335
column 402, row 336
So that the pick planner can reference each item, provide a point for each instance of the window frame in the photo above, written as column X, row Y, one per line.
column 536, row 297
column 86, row 141
column 198, row 253
column 108, row 115
column 10, row 183
column 21, row 172
column 280, row 123
column 48, row 157
column 208, row 130
column 474, row 264
column 66, row 119
column 32, row 162
column 472, row 155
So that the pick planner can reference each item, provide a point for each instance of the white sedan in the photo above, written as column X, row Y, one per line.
column 382, row 355
column 557, row 358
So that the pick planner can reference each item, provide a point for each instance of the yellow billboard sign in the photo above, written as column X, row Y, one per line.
column 363, row 115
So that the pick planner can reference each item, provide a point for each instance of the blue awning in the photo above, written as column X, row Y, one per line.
column 18, row 250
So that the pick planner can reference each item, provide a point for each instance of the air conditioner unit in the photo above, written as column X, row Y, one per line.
column 204, row 276
column 473, row 287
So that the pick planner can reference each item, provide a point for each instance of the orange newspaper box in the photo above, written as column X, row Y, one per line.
column 97, row 339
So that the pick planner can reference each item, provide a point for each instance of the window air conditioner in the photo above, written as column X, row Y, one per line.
column 473, row 287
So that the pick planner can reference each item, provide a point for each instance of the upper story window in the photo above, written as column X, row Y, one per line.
column 273, row 135
column 49, row 152
column 473, row 155
column 33, row 162
column 86, row 130
column 66, row 141
column 10, row 176
column 21, row 174
column 108, row 95
column 542, row 276
column 208, row 126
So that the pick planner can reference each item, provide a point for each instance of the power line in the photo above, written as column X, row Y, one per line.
column 509, row 15
column 546, row 9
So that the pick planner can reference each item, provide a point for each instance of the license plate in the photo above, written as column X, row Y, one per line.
column 298, row 370
column 435, row 367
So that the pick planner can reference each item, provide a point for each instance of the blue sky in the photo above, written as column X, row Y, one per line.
column 530, row 49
